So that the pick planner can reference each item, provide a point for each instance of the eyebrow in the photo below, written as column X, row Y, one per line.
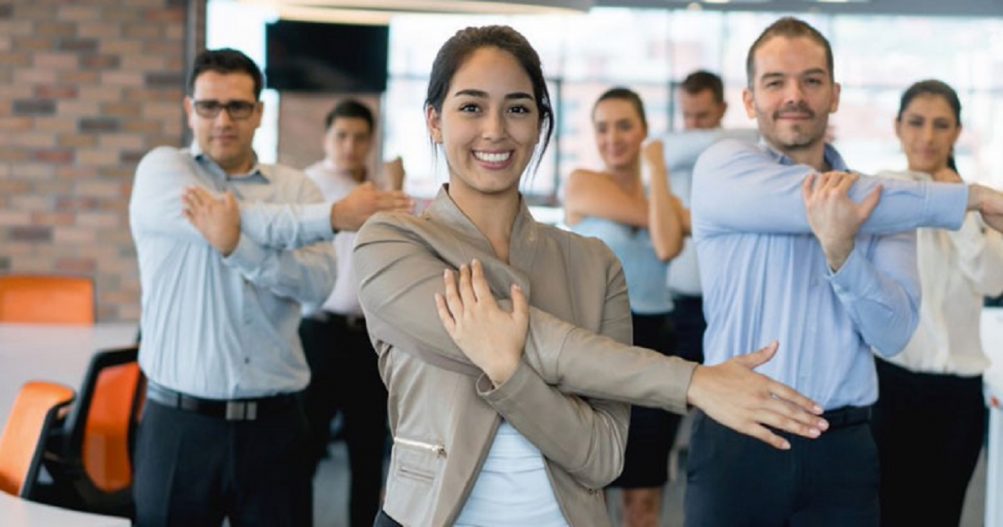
column 777, row 74
column 484, row 95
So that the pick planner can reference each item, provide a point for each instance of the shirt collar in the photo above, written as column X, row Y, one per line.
column 259, row 173
column 830, row 155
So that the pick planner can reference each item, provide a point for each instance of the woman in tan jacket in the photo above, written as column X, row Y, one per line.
column 505, row 414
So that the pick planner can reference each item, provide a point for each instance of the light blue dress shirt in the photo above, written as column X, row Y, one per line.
column 644, row 272
column 766, row 278
column 225, row 328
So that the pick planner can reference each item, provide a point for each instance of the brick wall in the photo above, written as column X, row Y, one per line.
column 86, row 88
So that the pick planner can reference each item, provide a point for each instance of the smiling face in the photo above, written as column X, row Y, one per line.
column 619, row 133
column 792, row 93
column 489, row 124
column 226, row 140
column 927, row 131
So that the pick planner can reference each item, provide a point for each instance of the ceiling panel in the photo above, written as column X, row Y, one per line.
column 875, row 7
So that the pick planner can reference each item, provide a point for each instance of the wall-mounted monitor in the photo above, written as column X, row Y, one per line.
column 320, row 57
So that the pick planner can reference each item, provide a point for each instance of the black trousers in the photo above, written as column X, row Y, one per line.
column 652, row 430
column 193, row 470
column 345, row 378
column 734, row 480
column 929, row 429
column 688, row 327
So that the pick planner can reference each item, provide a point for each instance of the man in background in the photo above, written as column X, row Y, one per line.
column 342, row 361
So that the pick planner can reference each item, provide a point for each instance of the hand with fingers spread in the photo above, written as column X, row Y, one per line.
column 490, row 337
column 350, row 213
column 217, row 218
column 751, row 403
column 833, row 216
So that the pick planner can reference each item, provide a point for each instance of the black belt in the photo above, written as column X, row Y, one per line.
column 352, row 322
column 231, row 410
column 847, row 416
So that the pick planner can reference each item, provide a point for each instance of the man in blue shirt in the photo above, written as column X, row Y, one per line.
column 793, row 248
column 223, row 434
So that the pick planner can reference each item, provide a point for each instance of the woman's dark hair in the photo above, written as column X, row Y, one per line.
column 465, row 42
column 939, row 89
column 623, row 94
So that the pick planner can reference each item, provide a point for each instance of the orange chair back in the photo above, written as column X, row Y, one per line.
column 46, row 300
column 24, row 434
column 105, row 449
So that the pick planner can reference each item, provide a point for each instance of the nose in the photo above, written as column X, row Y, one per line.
column 223, row 118
column 493, row 126
column 793, row 93
column 927, row 133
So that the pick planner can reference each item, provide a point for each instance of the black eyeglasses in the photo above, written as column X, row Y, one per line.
column 236, row 109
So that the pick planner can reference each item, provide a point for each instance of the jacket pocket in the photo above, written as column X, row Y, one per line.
column 417, row 460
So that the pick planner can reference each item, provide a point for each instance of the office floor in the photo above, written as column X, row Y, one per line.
column 331, row 494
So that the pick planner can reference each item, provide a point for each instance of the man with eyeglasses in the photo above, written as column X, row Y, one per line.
column 223, row 434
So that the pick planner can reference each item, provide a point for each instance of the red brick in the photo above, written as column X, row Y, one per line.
column 77, row 140
column 144, row 31
column 122, row 78
column 15, row 58
column 53, row 218
column 12, row 154
column 100, row 29
column 44, row 28
column 83, row 266
column 79, row 77
column 10, row 218
column 100, row 62
column 32, row 140
column 121, row 46
column 56, row 60
column 55, row 155
column 73, row 235
column 78, row 13
column 16, row 124
column 76, row 203
column 55, row 91
column 28, row 76
column 55, row 124
column 122, row 109
column 96, row 157
column 32, row 43
column 165, row 15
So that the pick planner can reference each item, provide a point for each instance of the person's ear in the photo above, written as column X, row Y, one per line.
column 434, row 124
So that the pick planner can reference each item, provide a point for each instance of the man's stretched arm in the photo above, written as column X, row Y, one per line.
column 739, row 188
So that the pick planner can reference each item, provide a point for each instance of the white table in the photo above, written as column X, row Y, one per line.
column 52, row 353
column 992, row 343
column 16, row 512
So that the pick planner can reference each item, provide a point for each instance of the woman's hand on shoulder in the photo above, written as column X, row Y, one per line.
column 492, row 338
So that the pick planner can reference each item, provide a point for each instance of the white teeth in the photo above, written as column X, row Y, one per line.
column 493, row 157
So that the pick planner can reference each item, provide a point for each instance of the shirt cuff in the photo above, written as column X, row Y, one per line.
column 852, row 275
column 248, row 255
column 317, row 221
column 946, row 205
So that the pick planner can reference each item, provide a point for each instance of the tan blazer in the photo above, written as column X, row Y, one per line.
column 444, row 412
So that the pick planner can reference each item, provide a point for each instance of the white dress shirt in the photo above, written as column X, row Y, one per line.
column 956, row 270
column 335, row 184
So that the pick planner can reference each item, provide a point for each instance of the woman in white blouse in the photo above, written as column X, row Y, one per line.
column 929, row 420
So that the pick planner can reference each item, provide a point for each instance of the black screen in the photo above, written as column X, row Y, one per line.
column 317, row 57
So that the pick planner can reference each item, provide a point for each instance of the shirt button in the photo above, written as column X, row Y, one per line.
column 247, row 360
